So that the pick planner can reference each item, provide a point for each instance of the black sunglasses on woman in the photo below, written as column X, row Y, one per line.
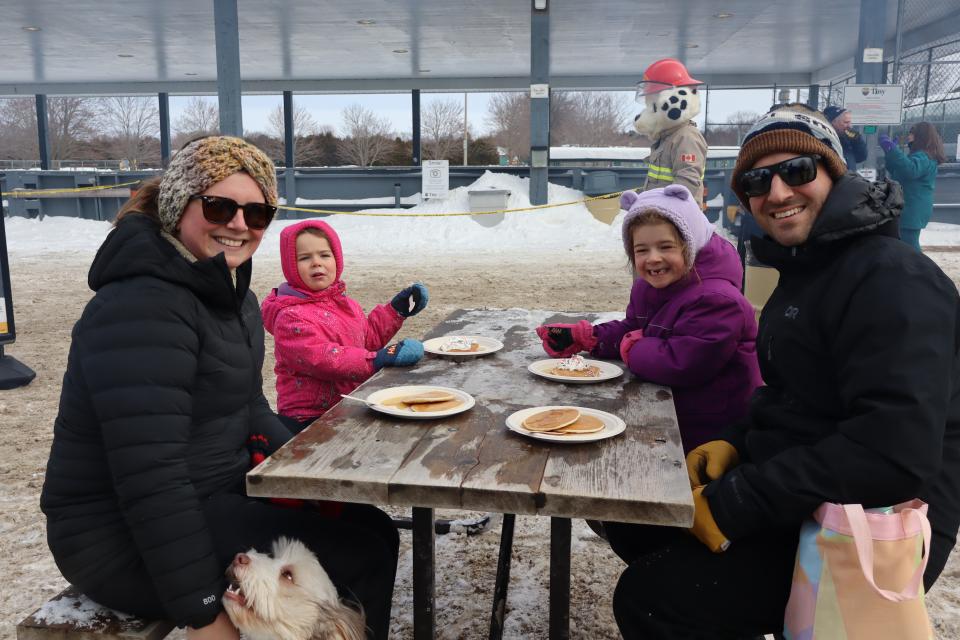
column 220, row 210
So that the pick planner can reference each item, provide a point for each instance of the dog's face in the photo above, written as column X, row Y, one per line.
column 286, row 595
column 667, row 109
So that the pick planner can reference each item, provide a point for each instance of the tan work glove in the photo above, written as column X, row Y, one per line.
column 704, row 526
column 709, row 461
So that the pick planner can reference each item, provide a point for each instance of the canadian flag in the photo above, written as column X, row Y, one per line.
column 688, row 157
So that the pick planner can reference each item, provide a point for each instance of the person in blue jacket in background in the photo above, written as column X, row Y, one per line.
column 916, row 173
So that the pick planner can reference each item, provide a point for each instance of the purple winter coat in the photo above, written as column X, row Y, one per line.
column 699, row 337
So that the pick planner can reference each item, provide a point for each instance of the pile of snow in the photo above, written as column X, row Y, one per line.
column 570, row 227
column 559, row 228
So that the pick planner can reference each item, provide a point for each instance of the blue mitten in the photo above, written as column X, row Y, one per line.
column 887, row 143
column 401, row 354
column 418, row 293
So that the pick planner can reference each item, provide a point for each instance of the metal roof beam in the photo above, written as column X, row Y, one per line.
column 385, row 85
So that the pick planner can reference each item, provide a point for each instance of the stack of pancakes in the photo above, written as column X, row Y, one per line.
column 565, row 421
column 425, row 401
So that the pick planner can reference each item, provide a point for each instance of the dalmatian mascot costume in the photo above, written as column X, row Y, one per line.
column 679, row 151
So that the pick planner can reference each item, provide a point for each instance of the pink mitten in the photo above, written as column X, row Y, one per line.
column 627, row 343
column 564, row 340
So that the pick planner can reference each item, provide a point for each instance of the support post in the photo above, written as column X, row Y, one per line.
column 43, row 137
column 227, row 34
column 813, row 96
column 289, row 150
column 415, row 110
column 539, row 100
column 164, row 107
column 873, row 21
column 559, row 578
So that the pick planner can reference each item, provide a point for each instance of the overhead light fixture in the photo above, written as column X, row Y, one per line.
column 401, row 51
column 423, row 70
column 723, row 15
column 366, row 22
column 691, row 45
column 124, row 55
column 31, row 28
column 189, row 73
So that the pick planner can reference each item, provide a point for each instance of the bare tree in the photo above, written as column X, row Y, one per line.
column 366, row 138
column 70, row 122
column 199, row 118
column 134, row 124
column 442, row 129
column 305, row 130
column 585, row 118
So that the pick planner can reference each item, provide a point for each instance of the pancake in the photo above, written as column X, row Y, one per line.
column 425, row 407
column 550, row 419
column 423, row 397
column 394, row 402
column 474, row 346
column 590, row 372
column 584, row 424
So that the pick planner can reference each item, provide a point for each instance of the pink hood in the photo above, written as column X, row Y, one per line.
column 288, row 252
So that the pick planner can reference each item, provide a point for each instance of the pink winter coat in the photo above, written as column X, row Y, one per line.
column 323, row 343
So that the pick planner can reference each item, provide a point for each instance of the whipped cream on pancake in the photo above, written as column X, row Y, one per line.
column 573, row 363
column 457, row 343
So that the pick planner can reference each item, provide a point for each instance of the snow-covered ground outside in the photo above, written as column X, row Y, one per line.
column 559, row 258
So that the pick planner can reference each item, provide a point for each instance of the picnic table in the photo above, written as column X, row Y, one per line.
column 471, row 461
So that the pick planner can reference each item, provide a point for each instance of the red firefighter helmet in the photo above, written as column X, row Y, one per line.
column 668, row 72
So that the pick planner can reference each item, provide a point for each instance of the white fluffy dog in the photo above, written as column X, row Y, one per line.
column 287, row 595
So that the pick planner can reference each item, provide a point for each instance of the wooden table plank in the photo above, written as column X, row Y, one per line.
column 472, row 461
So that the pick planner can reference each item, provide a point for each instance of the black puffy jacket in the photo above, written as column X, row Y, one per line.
column 162, row 391
column 858, row 346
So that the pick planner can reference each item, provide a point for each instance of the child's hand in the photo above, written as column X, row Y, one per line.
column 627, row 342
column 401, row 354
column 564, row 340
column 401, row 302
column 710, row 461
column 704, row 526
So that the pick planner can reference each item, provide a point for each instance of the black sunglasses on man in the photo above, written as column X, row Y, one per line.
column 794, row 172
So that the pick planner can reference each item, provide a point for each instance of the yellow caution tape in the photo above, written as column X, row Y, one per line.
column 26, row 193
column 442, row 215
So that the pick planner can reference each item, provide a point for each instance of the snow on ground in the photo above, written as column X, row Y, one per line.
column 570, row 227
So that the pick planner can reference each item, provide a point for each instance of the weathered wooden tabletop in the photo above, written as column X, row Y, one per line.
column 472, row 461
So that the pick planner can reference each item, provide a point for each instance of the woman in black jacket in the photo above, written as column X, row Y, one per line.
column 162, row 400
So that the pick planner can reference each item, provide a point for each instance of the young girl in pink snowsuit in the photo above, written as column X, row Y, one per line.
column 323, row 342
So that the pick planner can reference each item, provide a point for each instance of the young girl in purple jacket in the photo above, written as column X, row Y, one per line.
column 687, row 325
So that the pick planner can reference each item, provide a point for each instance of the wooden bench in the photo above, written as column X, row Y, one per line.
column 71, row 615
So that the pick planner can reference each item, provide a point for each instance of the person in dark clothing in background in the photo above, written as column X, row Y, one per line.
column 858, row 346
column 917, row 174
column 162, row 409
column 854, row 146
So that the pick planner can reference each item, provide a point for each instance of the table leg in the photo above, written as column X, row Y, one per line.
column 424, row 618
column 503, row 577
column 560, row 578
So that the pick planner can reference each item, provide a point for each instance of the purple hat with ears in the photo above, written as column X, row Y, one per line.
column 675, row 203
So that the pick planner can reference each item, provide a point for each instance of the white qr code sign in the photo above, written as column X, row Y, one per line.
column 436, row 178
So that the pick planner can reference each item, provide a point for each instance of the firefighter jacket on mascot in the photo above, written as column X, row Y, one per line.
column 678, row 151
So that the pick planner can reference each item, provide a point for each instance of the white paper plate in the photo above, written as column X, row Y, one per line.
column 612, row 425
column 487, row 346
column 608, row 371
column 392, row 392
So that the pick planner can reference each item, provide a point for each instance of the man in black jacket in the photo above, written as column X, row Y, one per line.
column 854, row 146
column 858, row 347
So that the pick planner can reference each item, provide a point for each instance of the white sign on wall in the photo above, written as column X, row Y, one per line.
column 872, row 55
column 874, row 103
column 436, row 179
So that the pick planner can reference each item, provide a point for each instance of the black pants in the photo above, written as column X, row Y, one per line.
column 296, row 425
column 358, row 550
column 675, row 588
